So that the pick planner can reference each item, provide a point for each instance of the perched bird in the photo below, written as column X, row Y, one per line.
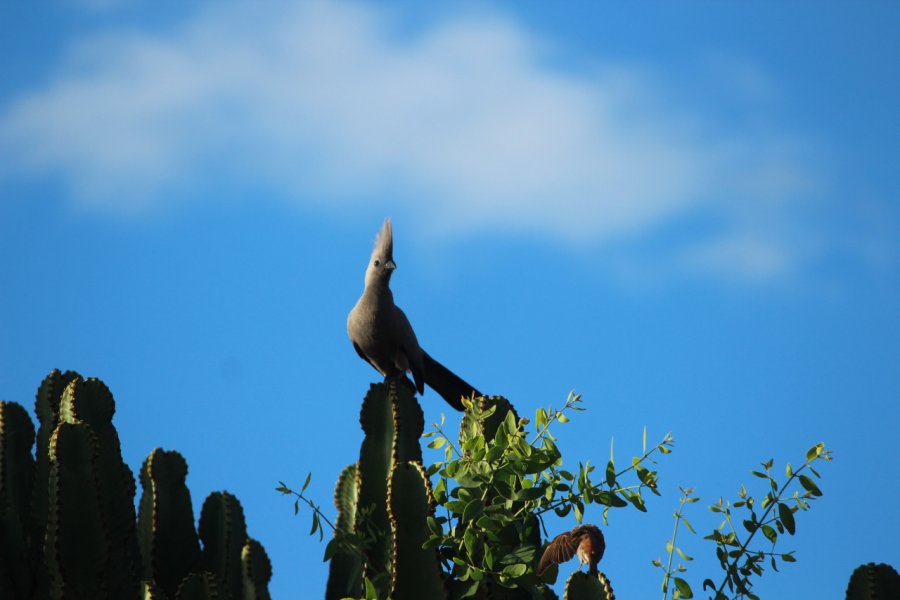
column 382, row 336
column 585, row 540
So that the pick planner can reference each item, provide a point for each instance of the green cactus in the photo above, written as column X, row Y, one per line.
column 76, row 547
column 46, row 407
column 345, row 569
column 257, row 571
column 16, row 483
column 199, row 586
column 415, row 571
column 223, row 532
column 90, row 401
column 874, row 582
column 392, row 423
column 168, row 542
column 378, row 419
column 150, row 591
column 67, row 523
column 581, row 586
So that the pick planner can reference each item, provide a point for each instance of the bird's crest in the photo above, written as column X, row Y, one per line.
column 384, row 242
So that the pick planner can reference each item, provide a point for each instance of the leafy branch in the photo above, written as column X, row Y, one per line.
column 775, row 504
column 682, row 588
column 318, row 516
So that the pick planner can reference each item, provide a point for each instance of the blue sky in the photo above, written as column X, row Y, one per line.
column 688, row 214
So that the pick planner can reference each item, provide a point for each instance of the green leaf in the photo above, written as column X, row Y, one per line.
column 788, row 470
column 515, row 570
column 331, row 549
column 437, row 442
column 809, row 485
column 682, row 587
column 469, row 541
column 788, row 558
column 371, row 592
column 610, row 474
column 530, row 493
column 488, row 523
column 509, row 423
column 473, row 509
column 522, row 554
column 562, row 418
column 306, row 483
column 787, row 517
column 814, row 452
column 770, row 533
column 688, row 524
column 638, row 502
column 682, row 554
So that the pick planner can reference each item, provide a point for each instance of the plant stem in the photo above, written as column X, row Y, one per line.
column 671, row 550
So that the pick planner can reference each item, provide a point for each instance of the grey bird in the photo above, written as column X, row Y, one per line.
column 382, row 336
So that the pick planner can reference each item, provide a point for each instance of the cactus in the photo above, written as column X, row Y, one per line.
column 67, row 523
column 46, row 407
column 223, row 531
column 90, row 401
column 16, row 483
column 390, row 453
column 77, row 544
column 581, row 586
column 874, row 582
column 168, row 541
column 256, row 570
column 150, row 591
column 345, row 571
column 415, row 571
column 199, row 586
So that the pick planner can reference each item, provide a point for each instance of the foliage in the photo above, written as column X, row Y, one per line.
column 484, row 506
column 67, row 518
column 485, row 513
column 500, row 483
column 740, row 552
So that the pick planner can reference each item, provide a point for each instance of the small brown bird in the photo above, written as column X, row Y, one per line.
column 585, row 540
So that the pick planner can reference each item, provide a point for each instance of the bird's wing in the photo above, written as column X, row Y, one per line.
column 561, row 549
column 363, row 356
column 409, row 346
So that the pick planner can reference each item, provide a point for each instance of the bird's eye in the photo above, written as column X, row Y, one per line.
column 377, row 262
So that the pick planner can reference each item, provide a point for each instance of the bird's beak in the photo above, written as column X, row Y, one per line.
column 390, row 265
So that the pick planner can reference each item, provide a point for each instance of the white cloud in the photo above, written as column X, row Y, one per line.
column 461, row 120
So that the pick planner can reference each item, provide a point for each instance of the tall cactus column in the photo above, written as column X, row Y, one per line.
column 385, row 499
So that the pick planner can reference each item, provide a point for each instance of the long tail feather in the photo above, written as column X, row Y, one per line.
column 446, row 383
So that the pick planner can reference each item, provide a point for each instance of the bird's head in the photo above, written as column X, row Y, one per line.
column 381, row 263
